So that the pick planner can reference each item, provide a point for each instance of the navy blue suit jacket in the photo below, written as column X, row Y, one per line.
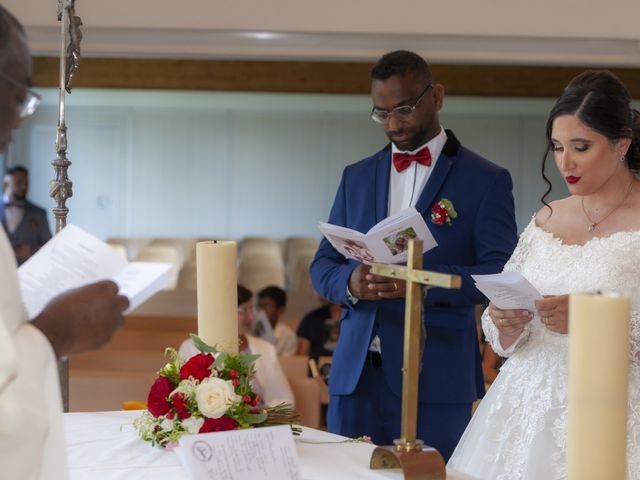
column 479, row 241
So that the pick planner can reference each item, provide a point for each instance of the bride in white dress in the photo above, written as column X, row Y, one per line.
column 586, row 242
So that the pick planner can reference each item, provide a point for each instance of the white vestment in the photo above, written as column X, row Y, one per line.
column 32, row 444
column 519, row 431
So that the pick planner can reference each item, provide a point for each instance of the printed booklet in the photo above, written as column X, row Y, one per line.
column 385, row 242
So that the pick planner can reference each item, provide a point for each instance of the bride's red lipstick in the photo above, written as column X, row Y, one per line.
column 572, row 180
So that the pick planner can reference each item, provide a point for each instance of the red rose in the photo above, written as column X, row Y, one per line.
column 157, row 399
column 439, row 215
column 197, row 367
column 221, row 424
column 180, row 405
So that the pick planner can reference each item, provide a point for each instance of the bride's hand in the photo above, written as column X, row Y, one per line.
column 510, row 323
column 553, row 312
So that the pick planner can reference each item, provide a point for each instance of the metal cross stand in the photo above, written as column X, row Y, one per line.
column 60, row 187
column 418, row 461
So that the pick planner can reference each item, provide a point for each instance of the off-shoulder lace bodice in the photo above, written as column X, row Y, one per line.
column 554, row 268
column 519, row 430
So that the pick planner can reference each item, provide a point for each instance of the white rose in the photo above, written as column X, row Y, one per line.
column 215, row 396
column 192, row 424
column 166, row 425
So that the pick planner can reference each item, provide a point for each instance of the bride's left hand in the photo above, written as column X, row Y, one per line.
column 553, row 312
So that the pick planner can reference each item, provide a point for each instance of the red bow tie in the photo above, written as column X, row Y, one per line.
column 402, row 160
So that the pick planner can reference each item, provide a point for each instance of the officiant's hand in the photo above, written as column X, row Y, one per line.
column 365, row 285
column 553, row 310
column 82, row 319
column 510, row 323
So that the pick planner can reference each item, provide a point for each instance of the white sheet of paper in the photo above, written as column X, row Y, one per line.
column 508, row 290
column 73, row 258
column 264, row 453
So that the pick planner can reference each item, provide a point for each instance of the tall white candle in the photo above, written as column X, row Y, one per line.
column 598, row 380
column 217, row 294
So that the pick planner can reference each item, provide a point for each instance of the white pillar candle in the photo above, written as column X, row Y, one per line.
column 217, row 294
column 598, row 381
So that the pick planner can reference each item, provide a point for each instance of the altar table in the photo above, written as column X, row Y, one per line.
column 105, row 446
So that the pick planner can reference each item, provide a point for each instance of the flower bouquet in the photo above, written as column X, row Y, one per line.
column 210, row 392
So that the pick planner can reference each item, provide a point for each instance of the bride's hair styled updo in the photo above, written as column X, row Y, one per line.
column 601, row 101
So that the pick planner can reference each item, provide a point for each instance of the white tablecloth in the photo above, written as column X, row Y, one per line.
column 105, row 446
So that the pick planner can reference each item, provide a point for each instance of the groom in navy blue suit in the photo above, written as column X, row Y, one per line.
column 426, row 167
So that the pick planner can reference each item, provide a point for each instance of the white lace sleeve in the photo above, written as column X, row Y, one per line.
column 634, row 337
column 514, row 264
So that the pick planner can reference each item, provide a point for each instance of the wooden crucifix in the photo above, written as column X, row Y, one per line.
column 418, row 462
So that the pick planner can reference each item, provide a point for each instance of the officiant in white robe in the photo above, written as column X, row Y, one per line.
column 31, row 436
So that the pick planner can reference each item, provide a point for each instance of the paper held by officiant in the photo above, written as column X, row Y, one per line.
column 508, row 290
column 385, row 242
column 74, row 258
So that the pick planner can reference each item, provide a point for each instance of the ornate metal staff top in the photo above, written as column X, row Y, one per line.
column 60, row 187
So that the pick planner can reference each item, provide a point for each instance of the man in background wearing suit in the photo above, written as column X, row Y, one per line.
column 422, row 166
column 25, row 223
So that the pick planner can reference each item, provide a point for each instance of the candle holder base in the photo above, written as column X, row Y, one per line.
column 417, row 461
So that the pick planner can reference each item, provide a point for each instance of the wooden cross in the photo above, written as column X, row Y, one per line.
column 409, row 453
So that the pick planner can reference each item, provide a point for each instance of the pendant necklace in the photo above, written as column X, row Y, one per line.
column 592, row 224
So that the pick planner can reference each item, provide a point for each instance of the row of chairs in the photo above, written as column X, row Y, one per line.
column 262, row 261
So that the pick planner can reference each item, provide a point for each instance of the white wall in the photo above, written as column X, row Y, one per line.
column 230, row 165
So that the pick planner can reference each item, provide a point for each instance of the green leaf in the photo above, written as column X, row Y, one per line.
column 247, row 360
column 222, row 356
column 450, row 208
column 201, row 346
column 254, row 418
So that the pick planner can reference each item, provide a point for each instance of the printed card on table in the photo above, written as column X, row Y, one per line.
column 264, row 453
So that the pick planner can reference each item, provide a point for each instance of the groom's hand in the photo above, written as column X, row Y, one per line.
column 364, row 285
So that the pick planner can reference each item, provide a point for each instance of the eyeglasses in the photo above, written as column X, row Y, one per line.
column 404, row 111
column 31, row 99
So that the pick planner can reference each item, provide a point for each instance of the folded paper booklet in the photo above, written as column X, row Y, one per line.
column 508, row 290
column 74, row 258
column 385, row 242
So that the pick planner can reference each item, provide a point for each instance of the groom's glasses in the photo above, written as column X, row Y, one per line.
column 403, row 111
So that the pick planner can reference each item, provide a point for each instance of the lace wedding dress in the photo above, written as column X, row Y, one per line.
column 519, row 430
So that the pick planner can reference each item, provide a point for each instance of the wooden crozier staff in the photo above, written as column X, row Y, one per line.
column 60, row 187
column 418, row 461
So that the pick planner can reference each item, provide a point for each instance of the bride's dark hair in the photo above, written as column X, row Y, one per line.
column 601, row 101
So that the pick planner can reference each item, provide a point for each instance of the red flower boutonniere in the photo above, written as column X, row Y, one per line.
column 443, row 212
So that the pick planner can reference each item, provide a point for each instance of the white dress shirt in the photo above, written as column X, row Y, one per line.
column 12, row 214
column 405, row 187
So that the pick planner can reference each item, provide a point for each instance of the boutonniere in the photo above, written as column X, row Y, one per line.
column 442, row 212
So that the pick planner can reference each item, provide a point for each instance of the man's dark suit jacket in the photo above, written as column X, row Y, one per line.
column 33, row 229
column 479, row 241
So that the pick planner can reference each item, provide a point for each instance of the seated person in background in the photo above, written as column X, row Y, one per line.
column 319, row 330
column 269, row 381
column 272, row 301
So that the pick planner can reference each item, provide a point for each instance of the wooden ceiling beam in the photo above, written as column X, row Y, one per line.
column 309, row 77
